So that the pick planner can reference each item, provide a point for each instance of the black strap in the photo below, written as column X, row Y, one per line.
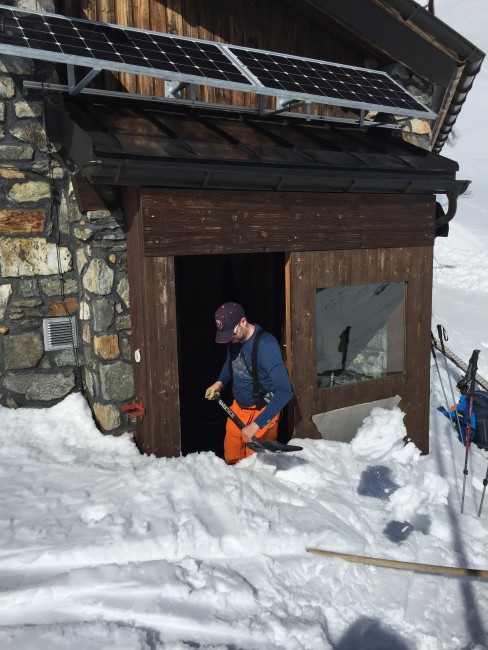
column 256, row 388
column 253, row 371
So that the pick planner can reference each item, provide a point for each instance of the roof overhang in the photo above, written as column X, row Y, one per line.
column 106, row 141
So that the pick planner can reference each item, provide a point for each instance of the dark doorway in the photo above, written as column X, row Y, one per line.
column 257, row 281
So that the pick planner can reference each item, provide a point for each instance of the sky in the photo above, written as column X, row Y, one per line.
column 102, row 548
column 460, row 298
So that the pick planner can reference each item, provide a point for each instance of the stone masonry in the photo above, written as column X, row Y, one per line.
column 55, row 261
column 414, row 130
column 101, row 262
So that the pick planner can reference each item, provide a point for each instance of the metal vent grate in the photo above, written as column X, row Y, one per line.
column 59, row 333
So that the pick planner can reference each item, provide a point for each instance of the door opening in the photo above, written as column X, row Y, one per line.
column 257, row 281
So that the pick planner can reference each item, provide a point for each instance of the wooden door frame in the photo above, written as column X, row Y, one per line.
column 154, row 336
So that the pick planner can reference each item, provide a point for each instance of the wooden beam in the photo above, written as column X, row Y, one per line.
column 188, row 222
column 154, row 337
column 405, row 566
column 94, row 197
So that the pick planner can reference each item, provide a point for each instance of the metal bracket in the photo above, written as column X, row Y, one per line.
column 246, row 110
column 135, row 410
column 284, row 104
column 176, row 88
column 76, row 88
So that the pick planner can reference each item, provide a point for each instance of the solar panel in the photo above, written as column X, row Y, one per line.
column 339, row 84
column 111, row 47
column 102, row 46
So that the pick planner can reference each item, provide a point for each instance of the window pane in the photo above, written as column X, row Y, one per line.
column 360, row 333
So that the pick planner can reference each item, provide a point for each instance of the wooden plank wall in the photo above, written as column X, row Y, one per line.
column 314, row 269
column 336, row 240
column 153, row 316
column 265, row 24
column 186, row 222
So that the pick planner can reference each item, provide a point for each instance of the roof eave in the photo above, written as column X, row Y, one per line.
column 253, row 177
column 434, row 50
column 469, row 57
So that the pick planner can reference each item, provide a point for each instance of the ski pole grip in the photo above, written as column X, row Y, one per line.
column 442, row 337
column 472, row 370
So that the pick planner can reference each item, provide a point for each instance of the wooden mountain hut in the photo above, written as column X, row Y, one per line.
column 319, row 216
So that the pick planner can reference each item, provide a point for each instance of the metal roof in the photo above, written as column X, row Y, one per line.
column 150, row 144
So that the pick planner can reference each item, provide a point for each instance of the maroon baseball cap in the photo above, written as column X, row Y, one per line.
column 227, row 317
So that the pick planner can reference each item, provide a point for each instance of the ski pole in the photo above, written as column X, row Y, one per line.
column 485, row 483
column 443, row 336
column 473, row 365
column 432, row 347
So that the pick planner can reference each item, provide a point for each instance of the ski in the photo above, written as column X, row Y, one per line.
column 459, row 363
column 255, row 444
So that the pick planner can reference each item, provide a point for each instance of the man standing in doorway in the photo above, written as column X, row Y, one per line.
column 260, row 411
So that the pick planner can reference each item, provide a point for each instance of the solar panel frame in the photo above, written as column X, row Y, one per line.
column 366, row 75
column 188, row 60
column 27, row 27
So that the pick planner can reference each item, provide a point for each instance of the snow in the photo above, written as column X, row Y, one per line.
column 102, row 548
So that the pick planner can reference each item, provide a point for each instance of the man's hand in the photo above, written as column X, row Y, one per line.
column 213, row 391
column 250, row 430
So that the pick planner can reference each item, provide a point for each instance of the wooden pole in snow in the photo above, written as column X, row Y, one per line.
column 406, row 566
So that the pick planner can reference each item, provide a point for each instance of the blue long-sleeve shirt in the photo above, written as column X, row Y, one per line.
column 272, row 375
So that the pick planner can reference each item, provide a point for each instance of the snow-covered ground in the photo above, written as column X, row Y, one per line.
column 101, row 548
column 104, row 548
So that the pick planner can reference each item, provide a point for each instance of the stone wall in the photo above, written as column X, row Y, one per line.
column 37, row 275
column 101, row 261
column 414, row 130
column 55, row 261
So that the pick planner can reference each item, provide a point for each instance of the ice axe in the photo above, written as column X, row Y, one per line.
column 255, row 444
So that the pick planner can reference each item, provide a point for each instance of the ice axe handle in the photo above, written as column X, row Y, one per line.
column 237, row 420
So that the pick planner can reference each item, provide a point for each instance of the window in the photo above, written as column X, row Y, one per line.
column 360, row 333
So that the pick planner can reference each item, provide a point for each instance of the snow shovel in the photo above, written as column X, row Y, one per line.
column 255, row 444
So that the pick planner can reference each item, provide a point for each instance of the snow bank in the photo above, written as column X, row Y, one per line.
column 381, row 437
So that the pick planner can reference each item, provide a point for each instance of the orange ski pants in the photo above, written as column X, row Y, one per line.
column 235, row 443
